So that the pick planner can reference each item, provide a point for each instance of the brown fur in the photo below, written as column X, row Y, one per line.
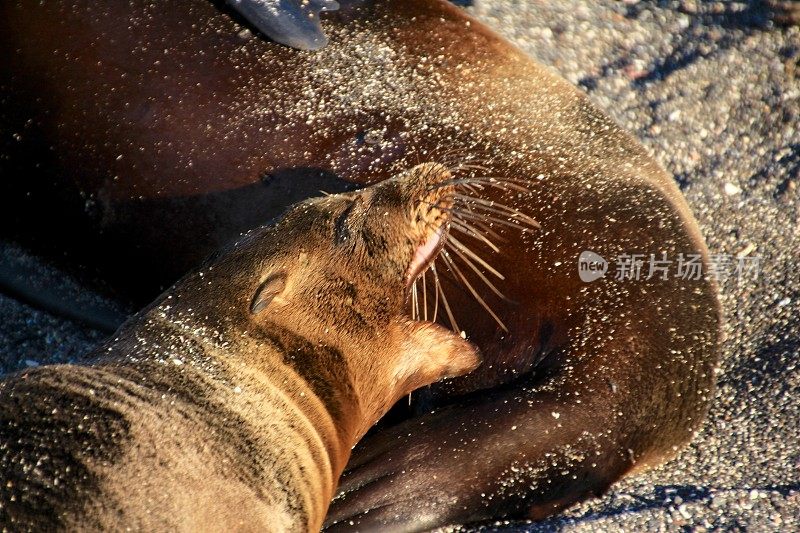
column 206, row 412
column 156, row 157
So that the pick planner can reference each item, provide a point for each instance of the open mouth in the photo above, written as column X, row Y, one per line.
column 426, row 253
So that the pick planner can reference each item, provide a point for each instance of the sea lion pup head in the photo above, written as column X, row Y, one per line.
column 328, row 284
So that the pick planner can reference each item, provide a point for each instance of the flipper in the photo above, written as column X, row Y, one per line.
column 506, row 458
column 294, row 23
column 44, row 287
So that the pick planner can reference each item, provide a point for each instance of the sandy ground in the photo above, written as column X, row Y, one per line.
column 711, row 89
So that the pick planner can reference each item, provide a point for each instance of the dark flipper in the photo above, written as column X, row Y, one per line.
column 294, row 23
column 515, row 455
column 25, row 279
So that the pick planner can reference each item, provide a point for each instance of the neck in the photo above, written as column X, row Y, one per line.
column 296, row 407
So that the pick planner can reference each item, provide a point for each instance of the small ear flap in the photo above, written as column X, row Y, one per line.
column 432, row 352
column 272, row 287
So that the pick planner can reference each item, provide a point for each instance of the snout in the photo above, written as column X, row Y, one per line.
column 431, row 198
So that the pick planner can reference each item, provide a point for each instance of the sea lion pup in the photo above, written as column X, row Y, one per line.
column 233, row 401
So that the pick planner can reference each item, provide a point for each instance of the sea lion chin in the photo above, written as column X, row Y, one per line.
column 234, row 400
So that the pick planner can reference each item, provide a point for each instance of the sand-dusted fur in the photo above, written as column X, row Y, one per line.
column 233, row 401
column 207, row 131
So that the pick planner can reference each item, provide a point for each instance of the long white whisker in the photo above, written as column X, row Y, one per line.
column 454, row 268
column 478, row 227
column 483, row 217
column 437, row 288
column 466, row 229
column 474, row 256
column 480, row 274
column 414, row 302
column 491, row 181
column 424, row 296
column 501, row 183
column 450, row 316
column 497, row 208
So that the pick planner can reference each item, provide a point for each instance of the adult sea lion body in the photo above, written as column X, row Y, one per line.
column 233, row 401
column 165, row 136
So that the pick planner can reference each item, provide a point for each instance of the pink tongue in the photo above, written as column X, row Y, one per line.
column 424, row 252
